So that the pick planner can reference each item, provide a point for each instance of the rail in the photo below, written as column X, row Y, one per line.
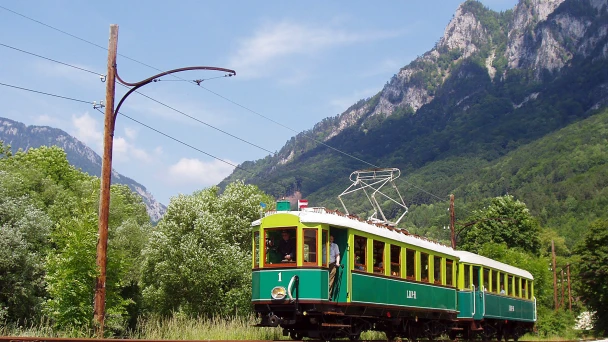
column 60, row 339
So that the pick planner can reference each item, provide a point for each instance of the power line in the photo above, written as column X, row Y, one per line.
column 219, row 95
column 130, row 118
column 48, row 94
column 52, row 60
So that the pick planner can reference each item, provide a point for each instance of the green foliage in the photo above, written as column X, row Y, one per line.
column 593, row 271
column 553, row 323
column 505, row 220
column 198, row 259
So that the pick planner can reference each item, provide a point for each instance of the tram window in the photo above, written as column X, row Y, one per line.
column 410, row 264
column 496, row 283
column 256, row 249
column 449, row 269
column 503, row 288
column 476, row 277
column 517, row 287
column 424, row 267
column 325, row 244
column 467, row 276
column 310, row 246
column 280, row 247
column 395, row 261
column 524, row 284
column 437, row 269
column 511, row 290
column 360, row 249
column 379, row 257
column 486, row 279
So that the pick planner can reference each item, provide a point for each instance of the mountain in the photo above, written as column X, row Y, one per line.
column 494, row 83
column 20, row 136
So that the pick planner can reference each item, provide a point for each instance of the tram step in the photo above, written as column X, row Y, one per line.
column 337, row 313
column 335, row 325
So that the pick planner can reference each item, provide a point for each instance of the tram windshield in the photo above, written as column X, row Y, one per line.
column 280, row 247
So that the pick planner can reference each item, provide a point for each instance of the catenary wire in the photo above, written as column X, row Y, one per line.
column 157, row 101
column 48, row 94
column 217, row 94
column 132, row 119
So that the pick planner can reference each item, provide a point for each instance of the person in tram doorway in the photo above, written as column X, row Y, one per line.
column 334, row 263
column 287, row 248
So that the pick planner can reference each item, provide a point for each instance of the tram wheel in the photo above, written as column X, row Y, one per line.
column 296, row 336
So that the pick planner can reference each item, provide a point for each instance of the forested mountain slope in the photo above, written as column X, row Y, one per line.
column 494, row 83
column 20, row 136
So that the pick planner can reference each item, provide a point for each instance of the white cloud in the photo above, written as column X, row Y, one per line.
column 47, row 120
column 275, row 41
column 131, row 133
column 196, row 172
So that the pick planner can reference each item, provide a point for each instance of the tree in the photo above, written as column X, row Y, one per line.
column 593, row 271
column 198, row 259
column 505, row 220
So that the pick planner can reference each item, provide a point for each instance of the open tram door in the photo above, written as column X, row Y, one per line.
column 339, row 292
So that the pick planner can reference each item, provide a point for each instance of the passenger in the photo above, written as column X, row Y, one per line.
column 287, row 247
column 502, row 289
column 334, row 262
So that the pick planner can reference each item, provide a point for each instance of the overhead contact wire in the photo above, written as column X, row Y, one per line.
column 48, row 94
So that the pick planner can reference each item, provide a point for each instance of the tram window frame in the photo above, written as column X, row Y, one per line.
column 511, row 291
column 410, row 264
column 378, row 256
column 325, row 248
column 437, row 270
column 496, row 283
column 314, row 253
column 395, row 266
column 486, row 279
column 360, row 250
column 449, row 272
column 424, row 267
column 467, row 276
column 272, row 243
column 256, row 249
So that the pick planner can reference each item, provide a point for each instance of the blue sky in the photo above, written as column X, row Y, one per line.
column 296, row 63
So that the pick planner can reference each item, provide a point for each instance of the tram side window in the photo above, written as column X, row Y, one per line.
column 517, row 287
column 476, row 277
column 511, row 290
column 410, row 264
column 310, row 246
column 424, row 267
column 256, row 249
column 437, row 269
column 379, row 257
column 467, row 276
column 360, row 249
column 449, row 269
column 325, row 244
column 524, row 283
column 496, row 286
column 395, row 261
column 486, row 279
column 503, row 288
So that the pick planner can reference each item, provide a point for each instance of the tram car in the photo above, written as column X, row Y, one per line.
column 387, row 280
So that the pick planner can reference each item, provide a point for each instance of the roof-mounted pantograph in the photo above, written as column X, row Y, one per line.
column 371, row 181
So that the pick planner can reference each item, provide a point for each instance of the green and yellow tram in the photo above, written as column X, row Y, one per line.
column 387, row 280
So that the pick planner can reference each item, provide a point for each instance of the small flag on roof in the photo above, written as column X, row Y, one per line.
column 302, row 203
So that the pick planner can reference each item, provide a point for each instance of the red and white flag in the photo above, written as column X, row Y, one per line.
column 302, row 203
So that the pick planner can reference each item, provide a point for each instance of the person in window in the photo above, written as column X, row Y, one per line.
column 502, row 289
column 287, row 247
column 334, row 262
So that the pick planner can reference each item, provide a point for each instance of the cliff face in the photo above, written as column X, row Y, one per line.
column 486, row 63
column 20, row 136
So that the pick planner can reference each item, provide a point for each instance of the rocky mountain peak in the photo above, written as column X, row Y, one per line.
column 463, row 32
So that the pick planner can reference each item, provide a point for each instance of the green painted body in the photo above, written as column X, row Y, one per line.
column 313, row 283
column 378, row 290
column 494, row 306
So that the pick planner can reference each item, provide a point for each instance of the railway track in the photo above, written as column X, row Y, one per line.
column 60, row 339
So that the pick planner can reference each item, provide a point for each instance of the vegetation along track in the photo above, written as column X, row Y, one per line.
column 58, row 339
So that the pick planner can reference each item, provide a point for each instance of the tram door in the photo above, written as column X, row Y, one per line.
column 479, row 293
column 340, row 283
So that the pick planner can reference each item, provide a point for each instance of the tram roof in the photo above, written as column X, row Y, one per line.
column 472, row 258
column 320, row 215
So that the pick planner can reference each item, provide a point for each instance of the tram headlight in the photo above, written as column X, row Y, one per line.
column 278, row 292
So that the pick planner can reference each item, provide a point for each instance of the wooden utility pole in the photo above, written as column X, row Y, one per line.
column 554, row 275
column 569, row 290
column 452, row 222
column 106, row 175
